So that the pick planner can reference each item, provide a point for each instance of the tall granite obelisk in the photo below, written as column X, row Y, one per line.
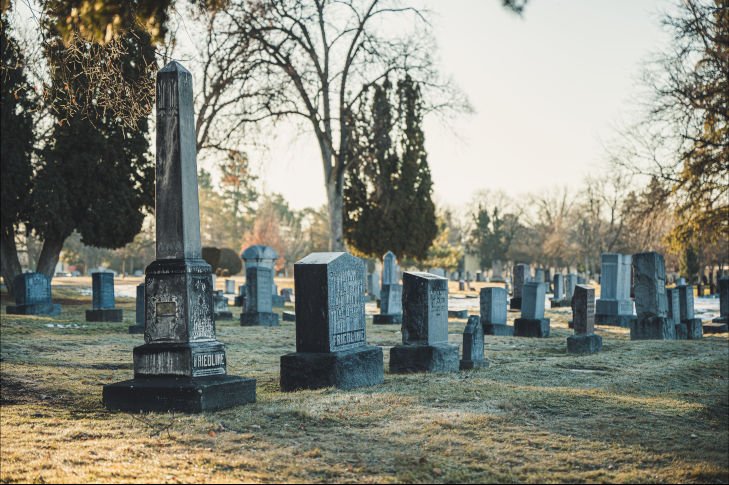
column 181, row 365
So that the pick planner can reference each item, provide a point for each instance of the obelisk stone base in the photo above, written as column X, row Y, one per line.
column 104, row 315
column 515, row 303
column 694, row 328
column 40, row 309
column 405, row 359
column 584, row 344
column 387, row 319
column 652, row 328
column 473, row 364
column 256, row 319
column 527, row 327
column 498, row 329
column 614, row 320
column 346, row 369
column 183, row 394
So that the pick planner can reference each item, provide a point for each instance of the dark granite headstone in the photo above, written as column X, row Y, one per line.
column 614, row 306
column 33, row 296
column 425, row 344
column 694, row 326
column 532, row 322
column 720, row 323
column 493, row 311
column 289, row 316
column 181, row 366
column 102, row 296
column 558, row 298
column 331, row 331
column 583, row 316
column 287, row 293
column 230, row 286
column 473, row 345
column 570, row 281
column 259, row 305
column 138, row 327
column 521, row 275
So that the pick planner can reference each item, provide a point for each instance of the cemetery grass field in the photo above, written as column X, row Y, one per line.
column 643, row 411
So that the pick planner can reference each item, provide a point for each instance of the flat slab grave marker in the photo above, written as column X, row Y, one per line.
column 331, row 334
column 584, row 341
column 259, row 261
column 181, row 366
column 532, row 322
column 493, row 311
column 521, row 275
column 425, row 346
column 473, row 357
column 138, row 327
column 33, row 296
column 102, row 296
column 614, row 307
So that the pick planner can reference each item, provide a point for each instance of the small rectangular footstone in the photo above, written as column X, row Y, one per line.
column 527, row 327
column 181, row 394
column 406, row 359
column 105, row 315
column 347, row 369
column 584, row 344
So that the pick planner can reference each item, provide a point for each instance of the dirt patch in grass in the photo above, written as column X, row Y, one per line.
column 646, row 411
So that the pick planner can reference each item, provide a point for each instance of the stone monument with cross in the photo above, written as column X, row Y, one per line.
column 181, row 366
column 331, row 330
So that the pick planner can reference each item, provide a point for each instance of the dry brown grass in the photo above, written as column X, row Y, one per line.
column 647, row 411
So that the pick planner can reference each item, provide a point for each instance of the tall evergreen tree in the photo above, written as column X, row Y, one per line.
column 17, row 102
column 387, row 194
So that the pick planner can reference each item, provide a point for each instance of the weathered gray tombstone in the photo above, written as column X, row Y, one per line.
column 373, row 286
column 220, row 306
column 33, row 296
column 461, row 285
column 570, row 281
column 331, row 343
column 584, row 341
column 425, row 346
column 493, row 311
column 539, row 275
column 674, row 313
column 102, row 297
column 287, row 293
column 138, row 327
column 522, row 274
column 496, row 271
column 558, row 299
column 473, row 345
column 390, row 305
column 230, row 286
column 614, row 307
column 259, row 261
column 694, row 327
column 532, row 322
column 181, row 366
column 651, row 303
column 720, row 324
column 390, row 271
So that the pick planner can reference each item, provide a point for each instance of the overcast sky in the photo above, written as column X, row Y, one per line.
column 547, row 88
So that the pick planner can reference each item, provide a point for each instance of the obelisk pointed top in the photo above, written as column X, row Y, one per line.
column 177, row 210
column 174, row 66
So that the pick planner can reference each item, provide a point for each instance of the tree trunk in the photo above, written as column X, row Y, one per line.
column 9, row 262
column 48, row 258
column 335, row 204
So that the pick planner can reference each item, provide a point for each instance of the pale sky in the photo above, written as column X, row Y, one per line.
column 548, row 89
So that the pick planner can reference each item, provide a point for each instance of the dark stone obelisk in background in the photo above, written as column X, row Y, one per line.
column 181, row 366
